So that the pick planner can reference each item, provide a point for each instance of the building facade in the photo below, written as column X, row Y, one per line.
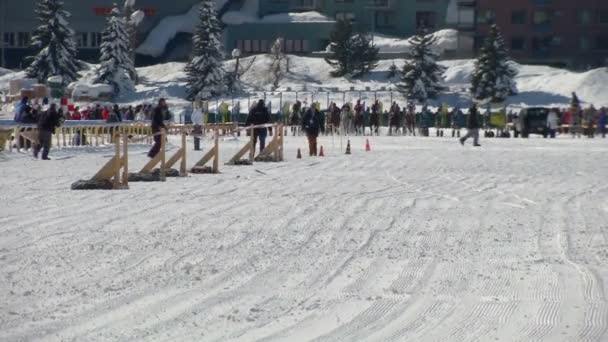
column 560, row 32
column 391, row 17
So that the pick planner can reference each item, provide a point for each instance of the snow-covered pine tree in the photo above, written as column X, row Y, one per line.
column 421, row 76
column 365, row 55
column 55, row 39
column 115, row 62
column 341, row 49
column 392, row 71
column 204, row 70
column 494, row 75
column 275, row 69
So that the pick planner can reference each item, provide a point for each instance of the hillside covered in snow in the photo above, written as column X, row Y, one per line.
column 538, row 85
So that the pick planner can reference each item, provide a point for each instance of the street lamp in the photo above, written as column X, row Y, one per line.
column 236, row 54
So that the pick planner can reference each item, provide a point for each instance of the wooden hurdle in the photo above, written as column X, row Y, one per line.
column 213, row 154
column 159, row 159
column 5, row 135
column 250, row 147
column 274, row 150
column 111, row 171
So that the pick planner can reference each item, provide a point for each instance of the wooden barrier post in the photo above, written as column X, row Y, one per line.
column 125, row 161
column 211, row 154
column 274, row 149
column 117, row 162
column 111, row 170
column 182, row 169
column 235, row 160
column 163, row 137
column 252, row 150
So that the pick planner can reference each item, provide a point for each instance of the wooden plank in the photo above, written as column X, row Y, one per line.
column 177, row 156
column 182, row 168
column 241, row 153
column 125, row 162
column 151, row 164
column 107, row 171
column 117, row 161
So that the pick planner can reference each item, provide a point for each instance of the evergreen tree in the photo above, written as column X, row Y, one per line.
column 365, row 55
column 115, row 63
column 341, row 48
column 392, row 71
column 55, row 39
column 352, row 54
column 275, row 68
column 205, row 72
column 422, row 77
column 493, row 78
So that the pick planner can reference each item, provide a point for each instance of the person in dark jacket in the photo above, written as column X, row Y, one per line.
column 158, row 124
column 313, row 123
column 472, row 126
column 48, row 121
column 259, row 116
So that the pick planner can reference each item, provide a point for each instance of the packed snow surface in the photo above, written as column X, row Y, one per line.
column 418, row 240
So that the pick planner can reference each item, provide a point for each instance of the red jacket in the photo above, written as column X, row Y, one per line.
column 105, row 114
column 76, row 116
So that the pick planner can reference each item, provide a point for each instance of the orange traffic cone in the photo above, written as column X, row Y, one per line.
column 348, row 147
column 321, row 154
column 367, row 147
column 299, row 154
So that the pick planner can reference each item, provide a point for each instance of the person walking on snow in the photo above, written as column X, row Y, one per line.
column 259, row 116
column 602, row 121
column 158, row 124
column 552, row 122
column 472, row 126
column 313, row 124
column 49, row 120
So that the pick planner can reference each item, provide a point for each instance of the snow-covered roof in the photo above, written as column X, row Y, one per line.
column 446, row 40
column 241, row 17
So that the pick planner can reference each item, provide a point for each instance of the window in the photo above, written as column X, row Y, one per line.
column 584, row 43
column 425, row 20
column 345, row 16
column 383, row 19
column 543, row 17
column 23, row 39
column 289, row 45
column 518, row 17
column 247, row 46
column 601, row 42
column 486, row 16
column 585, row 17
column 82, row 40
column 556, row 41
column 9, row 39
column 603, row 16
column 95, row 39
column 518, row 43
column 264, row 46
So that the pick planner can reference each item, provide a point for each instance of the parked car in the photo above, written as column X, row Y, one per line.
column 532, row 120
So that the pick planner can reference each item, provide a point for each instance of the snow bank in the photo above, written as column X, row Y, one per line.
column 168, row 28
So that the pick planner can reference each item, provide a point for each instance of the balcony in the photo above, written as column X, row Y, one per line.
column 379, row 4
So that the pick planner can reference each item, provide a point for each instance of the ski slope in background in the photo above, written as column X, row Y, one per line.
column 418, row 240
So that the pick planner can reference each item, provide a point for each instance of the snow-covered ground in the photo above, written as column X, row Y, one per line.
column 418, row 240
